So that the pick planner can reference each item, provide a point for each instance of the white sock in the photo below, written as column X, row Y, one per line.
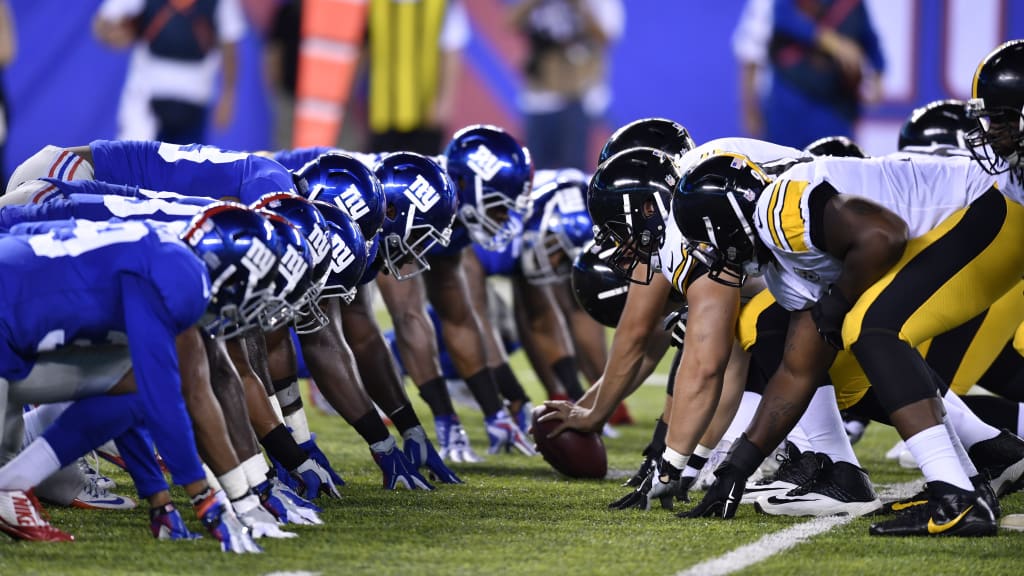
column 935, row 455
column 700, row 451
column 1020, row 420
column 299, row 425
column 675, row 458
column 958, row 445
column 799, row 438
column 824, row 427
column 211, row 479
column 33, row 465
column 256, row 469
column 744, row 414
column 276, row 406
column 39, row 419
column 969, row 428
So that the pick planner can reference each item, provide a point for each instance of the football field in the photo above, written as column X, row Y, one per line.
column 515, row 515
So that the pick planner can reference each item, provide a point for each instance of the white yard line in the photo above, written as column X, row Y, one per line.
column 772, row 544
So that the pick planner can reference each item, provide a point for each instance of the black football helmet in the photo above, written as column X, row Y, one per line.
column 942, row 122
column 997, row 103
column 835, row 146
column 628, row 201
column 713, row 206
column 598, row 289
column 658, row 133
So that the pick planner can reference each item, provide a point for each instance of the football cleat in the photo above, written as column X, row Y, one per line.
column 110, row 453
column 1001, row 460
column 92, row 473
column 950, row 511
column 453, row 440
column 839, row 489
column 795, row 469
column 981, row 486
column 92, row 497
column 166, row 524
column 504, row 435
column 21, row 518
column 523, row 415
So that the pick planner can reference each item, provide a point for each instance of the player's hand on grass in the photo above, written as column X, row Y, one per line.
column 314, row 480
column 724, row 496
column 220, row 522
column 661, row 484
column 421, row 453
column 166, row 524
column 318, row 456
column 274, row 498
column 259, row 520
column 398, row 471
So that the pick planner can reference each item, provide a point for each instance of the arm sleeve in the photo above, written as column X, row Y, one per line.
column 230, row 21
column 151, row 335
column 59, row 209
column 753, row 32
column 788, row 19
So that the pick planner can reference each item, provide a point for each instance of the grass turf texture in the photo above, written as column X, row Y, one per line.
column 515, row 515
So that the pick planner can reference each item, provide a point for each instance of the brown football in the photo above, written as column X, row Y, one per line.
column 573, row 453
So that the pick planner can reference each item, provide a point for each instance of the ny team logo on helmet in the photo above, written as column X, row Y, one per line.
column 348, row 254
column 493, row 175
column 598, row 289
column 839, row 146
column 628, row 200
column 658, row 133
column 241, row 251
column 714, row 208
column 304, row 216
column 294, row 281
column 343, row 180
column 943, row 122
column 557, row 228
column 997, row 103
column 420, row 211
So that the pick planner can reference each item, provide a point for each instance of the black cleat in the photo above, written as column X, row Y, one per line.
column 981, row 486
column 950, row 511
column 1001, row 460
column 839, row 489
column 796, row 468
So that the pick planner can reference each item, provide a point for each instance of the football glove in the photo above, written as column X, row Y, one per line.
column 724, row 496
column 828, row 314
column 453, row 440
column 504, row 434
column 166, row 524
column 286, row 490
column 420, row 452
column 221, row 523
column 398, row 471
column 273, row 498
column 661, row 483
column 676, row 323
column 314, row 452
column 284, row 476
column 258, row 519
column 314, row 480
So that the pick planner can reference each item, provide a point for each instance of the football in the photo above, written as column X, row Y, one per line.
column 573, row 453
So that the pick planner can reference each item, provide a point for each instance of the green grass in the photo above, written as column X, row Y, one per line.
column 514, row 516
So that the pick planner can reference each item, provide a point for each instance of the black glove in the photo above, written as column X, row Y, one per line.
column 723, row 498
column 661, row 483
column 828, row 314
column 676, row 322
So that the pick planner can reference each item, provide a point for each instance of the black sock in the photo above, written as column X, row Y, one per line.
column 435, row 394
column 283, row 448
column 568, row 376
column 482, row 386
column 404, row 418
column 508, row 384
column 371, row 427
column 657, row 444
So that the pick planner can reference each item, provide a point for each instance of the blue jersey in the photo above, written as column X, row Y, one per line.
column 192, row 169
column 101, row 206
column 86, row 282
column 504, row 263
column 459, row 240
column 299, row 157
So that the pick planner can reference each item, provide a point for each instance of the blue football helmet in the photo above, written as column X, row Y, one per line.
column 557, row 228
column 348, row 253
column 493, row 175
column 294, row 281
column 302, row 214
column 420, row 213
column 241, row 251
column 343, row 180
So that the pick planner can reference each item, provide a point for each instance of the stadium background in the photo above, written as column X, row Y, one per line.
column 675, row 60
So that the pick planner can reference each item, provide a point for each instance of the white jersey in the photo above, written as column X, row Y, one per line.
column 921, row 189
column 675, row 264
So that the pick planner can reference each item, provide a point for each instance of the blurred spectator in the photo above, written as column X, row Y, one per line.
column 823, row 59
column 8, row 41
column 413, row 68
column 179, row 46
column 281, row 61
column 566, row 74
